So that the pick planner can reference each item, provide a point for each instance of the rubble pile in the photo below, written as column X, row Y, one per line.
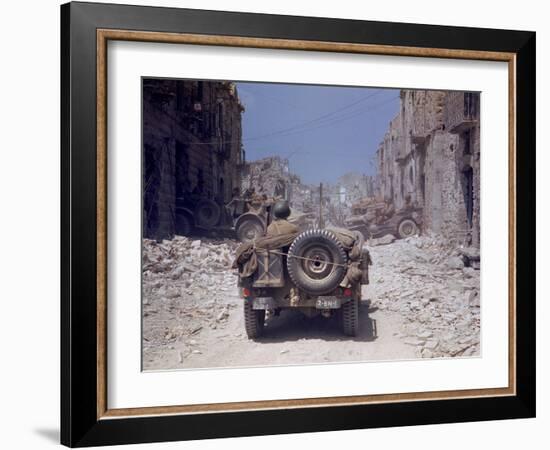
column 186, row 286
column 268, row 176
column 432, row 286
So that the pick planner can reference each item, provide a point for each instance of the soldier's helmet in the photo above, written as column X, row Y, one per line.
column 281, row 209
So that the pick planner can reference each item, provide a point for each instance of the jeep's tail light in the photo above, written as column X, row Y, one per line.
column 348, row 292
column 246, row 292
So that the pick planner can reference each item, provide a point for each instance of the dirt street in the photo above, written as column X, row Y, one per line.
column 421, row 302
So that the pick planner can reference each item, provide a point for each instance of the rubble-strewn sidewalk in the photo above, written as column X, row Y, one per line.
column 425, row 281
column 188, row 286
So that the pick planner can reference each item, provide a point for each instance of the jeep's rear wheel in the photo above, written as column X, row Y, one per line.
column 253, row 320
column 350, row 317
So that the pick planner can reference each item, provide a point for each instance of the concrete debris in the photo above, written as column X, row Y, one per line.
column 473, row 299
column 437, row 296
column 424, row 334
column 189, row 290
column 222, row 316
column 471, row 257
column 384, row 240
column 431, row 344
column 455, row 262
column 189, row 279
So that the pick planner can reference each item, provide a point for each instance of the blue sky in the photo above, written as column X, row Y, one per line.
column 325, row 131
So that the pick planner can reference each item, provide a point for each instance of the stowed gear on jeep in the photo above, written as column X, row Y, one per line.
column 318, row 271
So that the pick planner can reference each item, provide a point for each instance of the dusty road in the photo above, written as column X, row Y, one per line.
column 290, row 338
column 421, row 303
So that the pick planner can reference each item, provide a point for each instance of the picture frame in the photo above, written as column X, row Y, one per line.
column 86, row 418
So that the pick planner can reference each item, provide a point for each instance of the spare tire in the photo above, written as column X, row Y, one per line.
column 207, row 213
column 250, row 228
column 316, row 262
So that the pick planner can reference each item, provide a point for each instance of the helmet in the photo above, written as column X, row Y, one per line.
column 281, row 209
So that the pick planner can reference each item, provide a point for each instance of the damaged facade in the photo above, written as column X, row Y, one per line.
column 430, row 156
column 269, row 176
column 191, row 148
column 352, row 187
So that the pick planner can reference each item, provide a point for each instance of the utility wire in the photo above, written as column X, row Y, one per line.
column 331, row 122
column 320, row 118
column 319, row 122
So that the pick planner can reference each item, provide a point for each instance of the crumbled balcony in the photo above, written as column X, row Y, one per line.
column 461, row 111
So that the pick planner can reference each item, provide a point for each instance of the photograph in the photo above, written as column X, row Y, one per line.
column 296, row 224
column 273, row 223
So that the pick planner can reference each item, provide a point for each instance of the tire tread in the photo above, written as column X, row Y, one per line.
column 253, row 320
column 294, row 269
column 350, row 317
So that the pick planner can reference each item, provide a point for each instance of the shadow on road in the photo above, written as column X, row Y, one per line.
column 292, row 325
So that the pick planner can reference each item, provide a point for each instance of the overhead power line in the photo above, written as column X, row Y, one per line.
column 325, row 120
column 319, row 118
column 327, row 123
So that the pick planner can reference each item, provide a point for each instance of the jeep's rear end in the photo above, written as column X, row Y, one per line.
column 316, row 274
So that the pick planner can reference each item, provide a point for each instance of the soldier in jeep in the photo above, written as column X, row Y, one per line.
column 280, row 225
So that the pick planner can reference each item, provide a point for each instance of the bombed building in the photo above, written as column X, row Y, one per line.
column 269, row 176
column 352, row 187
column 192, row 152
column 430, row 158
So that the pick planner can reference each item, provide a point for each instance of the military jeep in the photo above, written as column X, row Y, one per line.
column 318, row 271
column 375, row 223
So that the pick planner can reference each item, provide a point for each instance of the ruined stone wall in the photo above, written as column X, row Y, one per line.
column 442, row 191
column 434, row 164
column 191, row 146
column 388, row 170
column 475, row 163
column 424, row 110
column 159, row 175
column 462, row 112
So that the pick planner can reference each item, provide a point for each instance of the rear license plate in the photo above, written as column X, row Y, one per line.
column 327, row 303
column 262, row 303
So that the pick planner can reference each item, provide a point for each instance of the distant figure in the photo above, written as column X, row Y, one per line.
column 280, row 224
column 389, row 211
column 232, row 206
column 255, row 204
column 249, row 193
column 384, row 214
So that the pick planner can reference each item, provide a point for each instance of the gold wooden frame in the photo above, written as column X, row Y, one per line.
column 103, row 36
